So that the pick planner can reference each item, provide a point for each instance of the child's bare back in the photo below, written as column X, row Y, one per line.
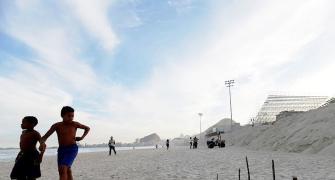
column 29, row 139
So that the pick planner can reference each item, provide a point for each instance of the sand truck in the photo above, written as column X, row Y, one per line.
column 214, row 138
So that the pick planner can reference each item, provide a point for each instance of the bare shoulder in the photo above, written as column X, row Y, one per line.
column 36, row 134
column 79, row 125
column 75, row 123
column 56, row 125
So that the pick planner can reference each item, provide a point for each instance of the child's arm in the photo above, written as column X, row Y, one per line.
column 41, row 148
column 86, row 130
column 46, row 136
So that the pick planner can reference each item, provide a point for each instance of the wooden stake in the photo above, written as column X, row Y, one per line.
column 217, row 176
column 246, row 159
column 273, row 170
column 295, row 178
column 239, row 174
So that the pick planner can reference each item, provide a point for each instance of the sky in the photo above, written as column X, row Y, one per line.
column 135, row 67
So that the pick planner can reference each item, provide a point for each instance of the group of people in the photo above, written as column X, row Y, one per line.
column 194, row 142
column 27, row 163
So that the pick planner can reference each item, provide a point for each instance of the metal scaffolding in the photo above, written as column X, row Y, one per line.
column 275, row 104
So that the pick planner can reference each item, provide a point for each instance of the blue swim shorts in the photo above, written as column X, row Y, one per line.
column 66, row 155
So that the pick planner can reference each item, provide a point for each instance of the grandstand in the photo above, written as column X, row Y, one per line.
column 275, row 104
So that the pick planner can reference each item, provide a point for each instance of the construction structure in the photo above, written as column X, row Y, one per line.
column 275, row 104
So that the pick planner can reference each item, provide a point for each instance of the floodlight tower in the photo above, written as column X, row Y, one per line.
column 229, row 84
column 200, row 117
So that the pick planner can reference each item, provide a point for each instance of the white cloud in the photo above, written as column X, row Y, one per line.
column 249, row 46
column 94, row 17
column 181, row 6
column 253, row 42
column 54, row 77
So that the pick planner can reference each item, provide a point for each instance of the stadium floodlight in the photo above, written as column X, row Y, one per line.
column 229, row 84
column 200, row 116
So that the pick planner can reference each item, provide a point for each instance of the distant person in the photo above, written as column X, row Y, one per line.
column 156, row 146
column 167, row 144
column 66, row 133
column 191, row 143
column 195, row 142
column 111, row 145
column 27, row 163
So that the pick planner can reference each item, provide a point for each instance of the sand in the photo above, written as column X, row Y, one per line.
column 182, row 163
column 310, row 132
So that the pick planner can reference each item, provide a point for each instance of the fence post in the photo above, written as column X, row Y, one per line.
column 246, row 159
column 273, row 170
column 239, row 174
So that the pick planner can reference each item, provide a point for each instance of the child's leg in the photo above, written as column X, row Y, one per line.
column 62, row 170
column 69, row 174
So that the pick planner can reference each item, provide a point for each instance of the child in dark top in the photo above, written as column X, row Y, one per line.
column 66, row 132
column 27, row 163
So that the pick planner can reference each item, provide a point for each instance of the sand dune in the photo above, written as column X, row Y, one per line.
column 310, row 132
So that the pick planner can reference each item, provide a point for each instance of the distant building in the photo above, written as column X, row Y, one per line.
column 275, row 104
column 151, row 139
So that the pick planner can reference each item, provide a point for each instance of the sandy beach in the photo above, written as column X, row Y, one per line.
column 182, row 163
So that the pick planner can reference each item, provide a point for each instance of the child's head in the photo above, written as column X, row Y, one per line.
column 29, row 122
column 67, row 113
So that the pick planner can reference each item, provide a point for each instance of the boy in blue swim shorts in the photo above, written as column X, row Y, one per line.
column 68, row 149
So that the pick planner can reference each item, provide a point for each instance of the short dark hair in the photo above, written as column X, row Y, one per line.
column 66, row 109
column 31, row 119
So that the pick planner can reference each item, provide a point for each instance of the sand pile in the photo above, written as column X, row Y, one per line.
column 308, row 132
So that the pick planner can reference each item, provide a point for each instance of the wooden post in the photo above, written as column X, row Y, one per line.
column 239, row 174
column 246, row 159
column 295, row 178
column 273, row 170
column 217, row 176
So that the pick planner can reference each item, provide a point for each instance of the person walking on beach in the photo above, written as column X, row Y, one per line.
column 27, row 163
column 111, row 145
column 191, row 143
column 167, row 144
column 195, row 142
column 66, row 133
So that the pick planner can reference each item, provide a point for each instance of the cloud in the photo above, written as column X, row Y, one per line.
column 254, row 49
column 265, row 46
column 94, row 17
column 56, row 76
column 181, row 6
